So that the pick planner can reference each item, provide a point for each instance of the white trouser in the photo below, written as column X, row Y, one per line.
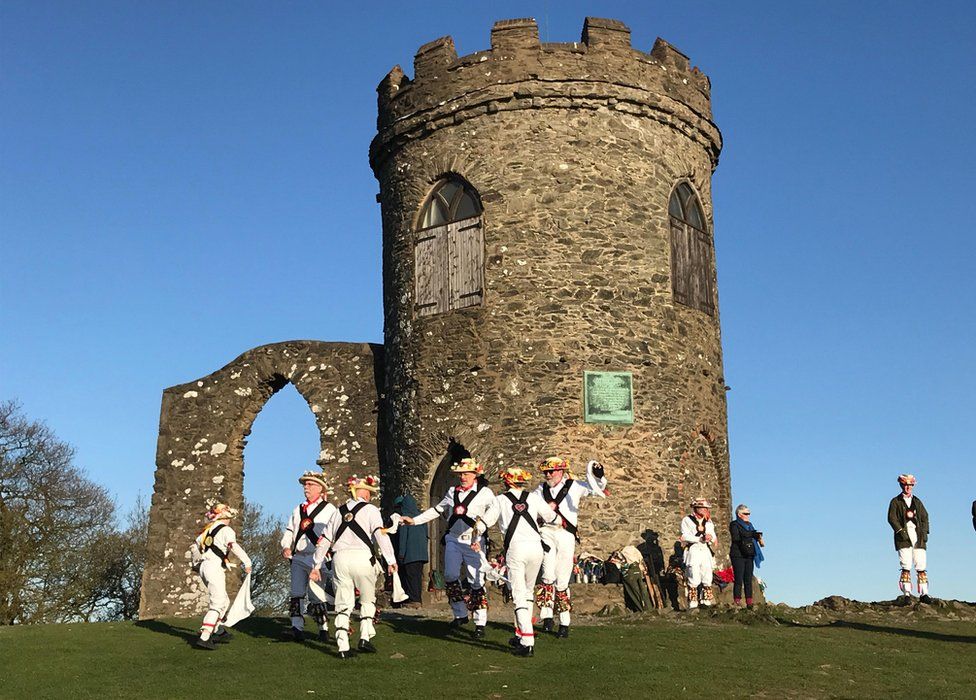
column 351, row 569
column 301, row 567
column 699, row 564
column 907, row 556
column 557, row 565
column 523, row 560
column 212, row 573
column 460, row 559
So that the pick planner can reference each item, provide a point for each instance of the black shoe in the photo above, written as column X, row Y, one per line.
column 547, row 625
column 324, row 636
column 479, row 631
column 205, row 644
column 297, row 635
column 563, row 632
column 522, row 650
column 924, row 599
column 366, row 646
column 458, row 622
column 344, row 654
column 515, row 642
column 222, row 637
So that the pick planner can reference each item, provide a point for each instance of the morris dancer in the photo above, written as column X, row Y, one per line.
column 212, row 548
column 518, row 513
column 305, row 527
column 698, row 538
column 910, row 522
column 467, row 507
column 349, row 538
column 563, row 494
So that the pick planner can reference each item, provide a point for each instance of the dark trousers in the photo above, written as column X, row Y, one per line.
column 742, row 568
column 411, row 576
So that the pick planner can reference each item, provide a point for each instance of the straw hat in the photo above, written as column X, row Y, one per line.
column 468, row 464
column 701, row 503
column 516, row 476
column 368, row 483
column 314, row 477
column 906, row 479
column 553, row 463
column 219, row 511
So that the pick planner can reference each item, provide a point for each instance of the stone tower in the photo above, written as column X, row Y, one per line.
column 547, row 213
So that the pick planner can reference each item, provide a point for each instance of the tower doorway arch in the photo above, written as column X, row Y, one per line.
column 442, row 480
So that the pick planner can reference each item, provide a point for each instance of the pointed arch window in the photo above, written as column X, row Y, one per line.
column 449, row 250
column 691, row 251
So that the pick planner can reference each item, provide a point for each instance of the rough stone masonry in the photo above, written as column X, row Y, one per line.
column 573, row 152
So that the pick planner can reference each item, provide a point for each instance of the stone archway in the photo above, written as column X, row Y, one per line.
column 443, row 478
column 203, row 428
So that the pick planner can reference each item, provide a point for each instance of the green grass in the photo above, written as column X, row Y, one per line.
column 631, row 657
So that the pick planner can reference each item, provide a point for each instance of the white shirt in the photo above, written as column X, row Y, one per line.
column 303, row 546
column 369, row 519
column 537, row 508
column 689, row 532
column 225, row 539
column 482, row 509
column 569, row 506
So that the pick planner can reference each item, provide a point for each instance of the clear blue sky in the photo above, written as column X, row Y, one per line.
column 180, row 182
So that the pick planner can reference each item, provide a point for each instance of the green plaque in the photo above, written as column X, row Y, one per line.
column 608, row 397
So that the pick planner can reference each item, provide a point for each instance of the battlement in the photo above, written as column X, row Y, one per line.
column 520, row 71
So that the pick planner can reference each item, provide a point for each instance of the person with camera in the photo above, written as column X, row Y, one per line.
column 745, row 551
column 698, row 538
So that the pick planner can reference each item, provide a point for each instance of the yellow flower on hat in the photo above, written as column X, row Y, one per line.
column 552, row 463
column 516, row 476
column 368, row 483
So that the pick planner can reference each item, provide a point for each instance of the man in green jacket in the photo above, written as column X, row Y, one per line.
column 910, row 522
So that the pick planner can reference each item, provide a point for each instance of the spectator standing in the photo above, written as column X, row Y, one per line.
column 745, row 551
column 412, row 550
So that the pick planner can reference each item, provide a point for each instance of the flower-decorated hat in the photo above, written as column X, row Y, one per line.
column 468, row 464
column 701, row 503
column 219, row 511
column 516, row 476
column 553, row 463
column 906, row 479
column 314, row 477
column 368, row 483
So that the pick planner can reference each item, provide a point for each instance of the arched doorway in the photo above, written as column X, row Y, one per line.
column 443, row 479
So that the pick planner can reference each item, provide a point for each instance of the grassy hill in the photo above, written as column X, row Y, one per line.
column 772, row 653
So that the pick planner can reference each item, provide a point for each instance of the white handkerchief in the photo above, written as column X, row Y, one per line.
column 241, row 607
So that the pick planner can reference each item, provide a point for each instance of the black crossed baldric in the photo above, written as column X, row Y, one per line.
column 208, row 544
column 348, row 516
column 306, row 526
column 460, row 511
column 557, row 499
column 520, row 512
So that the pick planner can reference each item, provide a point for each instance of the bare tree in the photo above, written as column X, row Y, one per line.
column 53, row 521
column 261, row 536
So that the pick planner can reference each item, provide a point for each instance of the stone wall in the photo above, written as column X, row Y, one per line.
column 203, row 428
column 574, row 150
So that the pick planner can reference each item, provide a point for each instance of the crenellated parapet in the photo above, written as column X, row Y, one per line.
column 601, row 71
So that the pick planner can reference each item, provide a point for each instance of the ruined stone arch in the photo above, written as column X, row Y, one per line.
column 203, row 430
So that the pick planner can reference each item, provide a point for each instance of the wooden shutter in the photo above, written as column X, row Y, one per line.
column 465, row 267
column 680, row 262
column 430, row 274
column 701, row 256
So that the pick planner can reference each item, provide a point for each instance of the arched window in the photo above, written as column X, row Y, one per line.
column 691, row 251
column 449, row 250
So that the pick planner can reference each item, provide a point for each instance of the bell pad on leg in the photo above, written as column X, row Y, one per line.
column 563, row 602
column 478, row 600
column 455, row 593
column 544, row 594
column 295, row 607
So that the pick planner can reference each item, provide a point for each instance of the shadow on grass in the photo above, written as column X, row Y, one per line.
column 864, row 627
column 161, row 627
column 441, row 629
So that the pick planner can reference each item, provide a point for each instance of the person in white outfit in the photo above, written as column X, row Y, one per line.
column 563, row 493
column 699, row 540
column 211, row 552
column 305, row 527
column 910, row 522
column 518, row 515
column 349, row 538
column 467, row 508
